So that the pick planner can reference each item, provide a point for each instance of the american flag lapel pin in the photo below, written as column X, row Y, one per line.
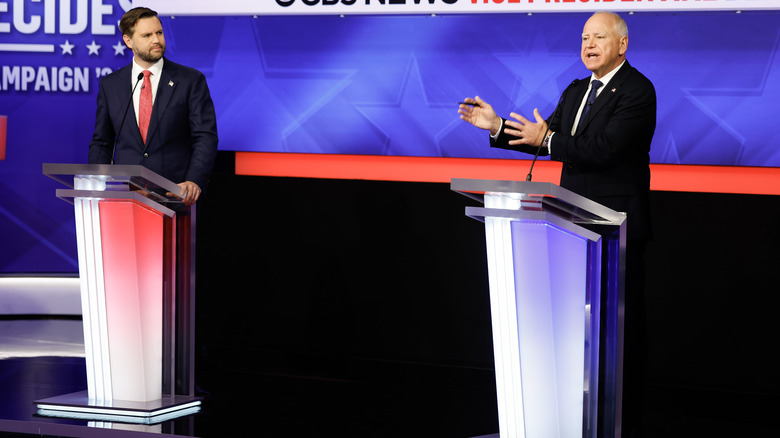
column 170, row 84
column 613, row 90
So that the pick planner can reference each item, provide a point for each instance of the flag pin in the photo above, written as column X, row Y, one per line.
column 170, row 84
column 613, row 90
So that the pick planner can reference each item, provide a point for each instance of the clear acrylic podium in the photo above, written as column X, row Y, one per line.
column 136, row 255
column 556, row 278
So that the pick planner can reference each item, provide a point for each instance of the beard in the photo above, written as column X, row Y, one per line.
column 150, row 56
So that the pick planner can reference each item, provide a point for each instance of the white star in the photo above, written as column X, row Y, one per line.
column 119, row 49
column 67, row 48
column 93, row 48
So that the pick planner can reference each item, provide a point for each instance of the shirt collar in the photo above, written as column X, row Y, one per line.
column 156, row 68
column 607, row 77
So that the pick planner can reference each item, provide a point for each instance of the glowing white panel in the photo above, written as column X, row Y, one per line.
column 104, row 390
column 550, row 275
column 90, row 268
column 40, row 296
column 501, row 279
column 538, row 282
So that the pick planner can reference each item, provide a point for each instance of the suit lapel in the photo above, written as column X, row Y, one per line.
column 130, row 124
column 165, row 90
column 573, row 105
column 612, row 89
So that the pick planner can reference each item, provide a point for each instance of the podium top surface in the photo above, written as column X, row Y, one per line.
column 118, row 177
column 543, row 196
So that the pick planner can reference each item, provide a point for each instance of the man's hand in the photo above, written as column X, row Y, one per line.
column 190, row 192
column 529, row 133
column 480, row 114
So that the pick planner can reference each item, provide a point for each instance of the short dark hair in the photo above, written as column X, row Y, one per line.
column 131, row 17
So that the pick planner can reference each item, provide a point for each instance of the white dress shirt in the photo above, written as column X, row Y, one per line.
column 604, row 80
column 156, row 70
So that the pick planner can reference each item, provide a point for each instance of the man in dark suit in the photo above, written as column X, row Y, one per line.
column 601, row 133
column 176, row 135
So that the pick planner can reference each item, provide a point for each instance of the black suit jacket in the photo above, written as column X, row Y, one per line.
column 182, row 138
column 608, row 158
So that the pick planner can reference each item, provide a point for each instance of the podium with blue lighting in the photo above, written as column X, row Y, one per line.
column 136, row 270
column 556, row 278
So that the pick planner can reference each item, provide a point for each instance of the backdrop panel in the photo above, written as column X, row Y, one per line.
column 364, row 85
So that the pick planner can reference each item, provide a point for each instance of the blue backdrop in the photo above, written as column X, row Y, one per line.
column 369, row 85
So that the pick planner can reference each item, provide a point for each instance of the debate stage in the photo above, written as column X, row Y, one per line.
column 360, row 309
column 320, row 397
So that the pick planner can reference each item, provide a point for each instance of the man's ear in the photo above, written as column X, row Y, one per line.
column 128, row 41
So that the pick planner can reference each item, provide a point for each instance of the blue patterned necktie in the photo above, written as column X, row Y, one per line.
column 594, row 88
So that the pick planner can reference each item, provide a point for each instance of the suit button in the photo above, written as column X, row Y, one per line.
column 146, row 155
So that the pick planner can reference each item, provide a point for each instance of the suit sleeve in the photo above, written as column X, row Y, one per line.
column 102, row 143
column 554, row 122
column 502, row 141
column 203, row 129
column 615, row 135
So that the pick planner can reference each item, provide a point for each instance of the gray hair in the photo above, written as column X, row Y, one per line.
column 620, row 26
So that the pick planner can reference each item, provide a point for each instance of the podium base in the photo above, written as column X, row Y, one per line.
column 77, row 405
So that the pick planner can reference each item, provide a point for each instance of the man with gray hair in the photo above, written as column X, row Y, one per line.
column 601, row 132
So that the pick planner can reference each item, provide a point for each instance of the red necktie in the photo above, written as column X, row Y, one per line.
column 145, row 105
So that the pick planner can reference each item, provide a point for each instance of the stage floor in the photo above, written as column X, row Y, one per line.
column 248, row 392
column 44, row 357
column 252, row 392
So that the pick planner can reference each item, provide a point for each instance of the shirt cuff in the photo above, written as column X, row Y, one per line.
column 549, row 143
column 501, row 128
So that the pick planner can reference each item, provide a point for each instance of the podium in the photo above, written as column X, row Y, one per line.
column 556, row 277
column 136, row 254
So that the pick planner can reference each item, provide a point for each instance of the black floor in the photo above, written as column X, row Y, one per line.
column 386, row 332
column 263, row 393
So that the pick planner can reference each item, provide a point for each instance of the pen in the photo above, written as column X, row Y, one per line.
column 467, row 103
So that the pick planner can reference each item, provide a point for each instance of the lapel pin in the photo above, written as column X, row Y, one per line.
column 613, row 90
column 170, row 84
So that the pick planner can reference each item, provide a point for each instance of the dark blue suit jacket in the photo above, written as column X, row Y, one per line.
column 182, row 138
column 608, row 158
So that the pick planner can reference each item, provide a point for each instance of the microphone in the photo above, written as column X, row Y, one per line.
column 127, row 108
column 552, row 117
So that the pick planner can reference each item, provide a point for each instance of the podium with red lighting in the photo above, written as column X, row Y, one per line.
column 136, row 268
column 556, row 278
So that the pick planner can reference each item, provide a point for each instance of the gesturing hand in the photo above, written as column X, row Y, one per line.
column 529, row 133
column 480, row 114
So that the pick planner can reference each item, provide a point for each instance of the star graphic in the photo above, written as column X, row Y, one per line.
column 298, row 103
column 740, row 113
column 67, row 48
column 93, row 48
column 537, row 68
column 119, row 49
column 411, row 125
column 709, row 121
